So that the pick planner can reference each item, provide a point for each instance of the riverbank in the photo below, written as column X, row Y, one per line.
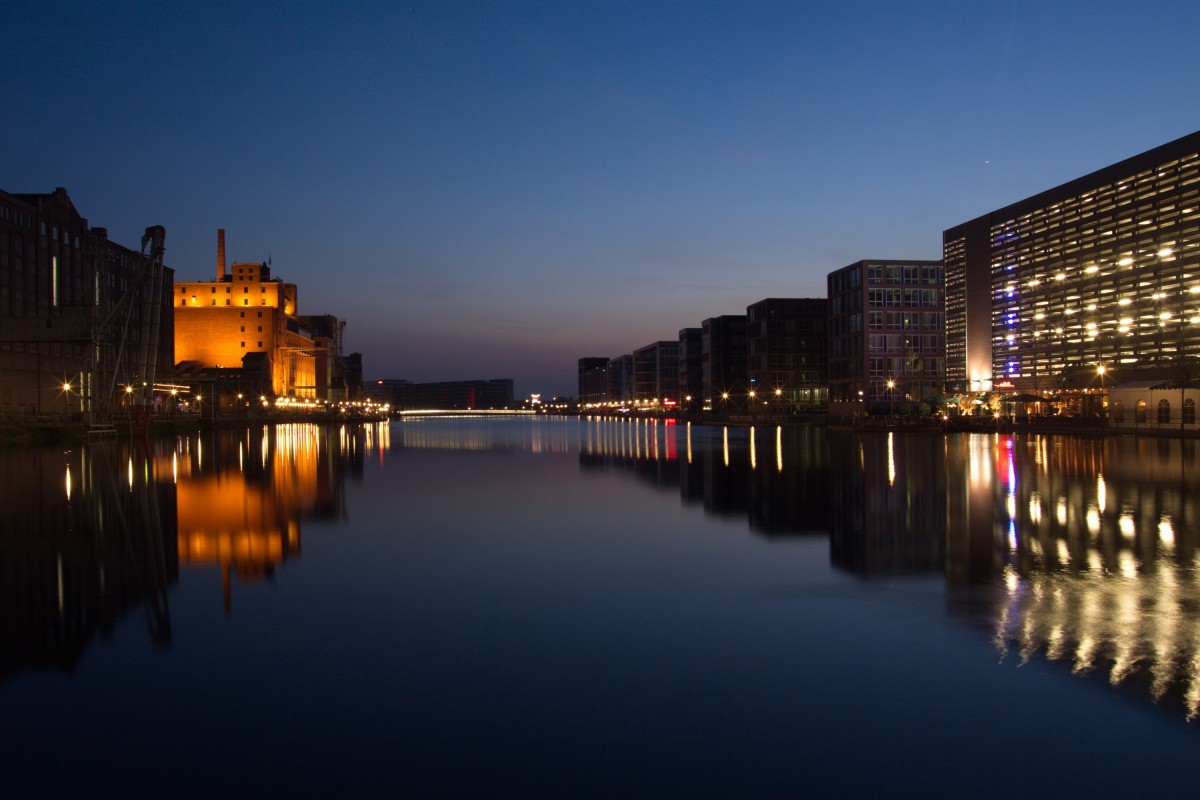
column 51, row 431
column 27, row 432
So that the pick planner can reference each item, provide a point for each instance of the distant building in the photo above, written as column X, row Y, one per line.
column 656, row 374
column 886, row 335
column 620, row 379
column 1100, row 271
column 80, row 315
column 691, row 368
column 244, row 312
column 593, row 381
column 481, row 395
column 786, row 352
column 723, row 346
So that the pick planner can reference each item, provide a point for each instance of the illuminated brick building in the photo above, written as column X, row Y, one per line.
column 244, row 312
column 1103, row 271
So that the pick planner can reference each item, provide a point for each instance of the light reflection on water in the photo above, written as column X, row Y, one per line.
column 1108, row 583
column 1078, row 554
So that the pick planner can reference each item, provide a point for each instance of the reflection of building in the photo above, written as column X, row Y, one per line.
column 1093, row 545
column 1096, row 271
column 886, row 326
column 84, row 539
column 887, row 504
column 786, row 354
column 75, row 308
column 777, row 479
column 242, row 494
column 789, row 491
column 244, row 316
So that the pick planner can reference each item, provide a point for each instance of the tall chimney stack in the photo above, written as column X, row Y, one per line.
column 220, row 254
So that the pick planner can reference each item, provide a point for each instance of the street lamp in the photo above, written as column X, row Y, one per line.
column 891, row 385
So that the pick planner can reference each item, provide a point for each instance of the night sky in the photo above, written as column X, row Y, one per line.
column 496, row 189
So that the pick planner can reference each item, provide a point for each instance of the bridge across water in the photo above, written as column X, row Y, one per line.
column 463, row 412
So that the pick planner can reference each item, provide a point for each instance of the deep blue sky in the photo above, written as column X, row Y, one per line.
column 495, row 189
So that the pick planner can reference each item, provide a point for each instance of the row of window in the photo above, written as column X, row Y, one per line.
column 52, row 231
column 930, row 368
column 184, row 302
column 1164, row 411
column 245, row 290
column 900, row 343
column 903, row 273
column 16, row 217
column 911, row 298
column 905, row 320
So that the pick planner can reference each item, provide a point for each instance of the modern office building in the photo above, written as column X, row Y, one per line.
column 723, row 340
column 786, row 353
column 691, row 368
column 1100, row 272
column 656, row 374
column 593, row 381
column 245, row 313
column 620, row 379
column 80, row 315
column 886, row 335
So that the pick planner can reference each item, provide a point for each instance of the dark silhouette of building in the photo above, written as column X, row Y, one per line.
column 620, row 379
column 786, row 352
column 656, row 375
column 886, row 335
column 75, row 311
column 446, row 395
column 593, row 381
column 691, row 368
column 723, row 340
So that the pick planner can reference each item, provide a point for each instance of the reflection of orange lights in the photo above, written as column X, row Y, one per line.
column 206, row 547
column 225, row 519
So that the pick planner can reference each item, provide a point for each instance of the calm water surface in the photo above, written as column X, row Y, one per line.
column 520, row 607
